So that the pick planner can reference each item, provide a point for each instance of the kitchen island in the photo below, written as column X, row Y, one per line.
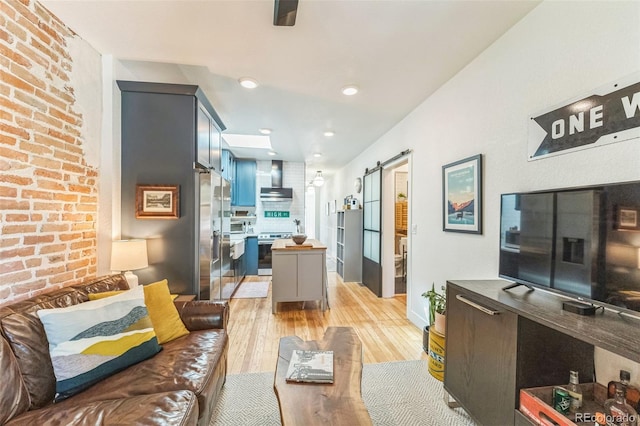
column 299, row 272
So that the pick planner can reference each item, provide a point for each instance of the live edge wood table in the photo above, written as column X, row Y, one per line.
column 339, row 403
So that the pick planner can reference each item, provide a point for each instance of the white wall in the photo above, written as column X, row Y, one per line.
column 557, row 52
column 86, row 77
column 109, row 190
column 110, row 176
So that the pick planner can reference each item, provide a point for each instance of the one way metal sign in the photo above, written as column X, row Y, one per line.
column 611, row 114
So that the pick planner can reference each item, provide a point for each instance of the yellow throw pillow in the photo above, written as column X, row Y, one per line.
column 163, row 313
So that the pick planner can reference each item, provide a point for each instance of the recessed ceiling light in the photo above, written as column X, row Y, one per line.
column 317, row 155
column 329, row 133
column 349, row 90
column 248, row 83
column 272, row 153
column 265, row 131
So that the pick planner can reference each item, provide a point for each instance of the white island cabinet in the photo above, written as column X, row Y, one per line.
column 299, row 272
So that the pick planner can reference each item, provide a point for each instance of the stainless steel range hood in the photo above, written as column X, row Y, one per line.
column 276, row 192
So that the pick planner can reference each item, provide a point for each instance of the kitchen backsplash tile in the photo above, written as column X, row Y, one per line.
column 293, row 174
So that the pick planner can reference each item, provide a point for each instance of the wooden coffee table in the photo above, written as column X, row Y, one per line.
column 339, row 403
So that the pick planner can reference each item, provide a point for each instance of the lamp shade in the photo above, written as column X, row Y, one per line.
column 129, row 255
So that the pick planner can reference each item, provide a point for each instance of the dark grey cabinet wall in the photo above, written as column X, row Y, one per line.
column 498, row 342
column 163, row 142
column 208, row 139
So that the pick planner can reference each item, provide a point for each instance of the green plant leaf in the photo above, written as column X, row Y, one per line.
column 437, row 303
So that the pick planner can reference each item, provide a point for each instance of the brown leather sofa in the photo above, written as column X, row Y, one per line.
column 178, row 386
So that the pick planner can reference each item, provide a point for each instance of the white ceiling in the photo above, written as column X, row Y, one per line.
column 398, row 52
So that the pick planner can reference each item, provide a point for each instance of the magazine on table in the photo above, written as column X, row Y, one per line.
column 310, row 366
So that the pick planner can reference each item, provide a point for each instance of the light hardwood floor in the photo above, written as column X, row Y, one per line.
column 386, row 334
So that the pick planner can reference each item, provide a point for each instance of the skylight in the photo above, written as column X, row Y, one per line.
column 248, row 141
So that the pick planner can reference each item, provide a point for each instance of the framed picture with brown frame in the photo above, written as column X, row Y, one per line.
column 157, row 201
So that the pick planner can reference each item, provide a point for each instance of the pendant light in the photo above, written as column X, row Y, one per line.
column 318, row 180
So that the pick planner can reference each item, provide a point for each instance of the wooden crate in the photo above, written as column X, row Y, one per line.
column 537, row 405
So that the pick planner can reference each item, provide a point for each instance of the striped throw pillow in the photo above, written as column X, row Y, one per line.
column 93, row 340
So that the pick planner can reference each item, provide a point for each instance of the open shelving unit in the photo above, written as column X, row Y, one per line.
column 349, row 245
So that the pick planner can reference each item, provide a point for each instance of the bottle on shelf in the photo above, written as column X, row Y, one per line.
column 575, row 393
column 618, row 412
column 561, row 400
column 632, row 393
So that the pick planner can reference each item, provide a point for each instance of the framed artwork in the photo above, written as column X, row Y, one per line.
column 462, row 196
column 627, row 218
column 157, row 201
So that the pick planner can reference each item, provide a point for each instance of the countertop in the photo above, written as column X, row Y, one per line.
column 288, row 244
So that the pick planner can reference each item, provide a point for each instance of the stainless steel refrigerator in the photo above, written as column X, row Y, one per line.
column 214, row 241
column 209, row 232
column 227, row 273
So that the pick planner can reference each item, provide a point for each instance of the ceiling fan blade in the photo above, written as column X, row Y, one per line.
column 284, row 13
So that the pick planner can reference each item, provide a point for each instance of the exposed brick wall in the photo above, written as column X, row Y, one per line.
column 48, row 194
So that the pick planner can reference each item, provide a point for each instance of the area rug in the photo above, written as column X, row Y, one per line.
column 395, row 393
column 252, row 290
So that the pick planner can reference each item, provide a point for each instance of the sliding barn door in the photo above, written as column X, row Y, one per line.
column 371, row 239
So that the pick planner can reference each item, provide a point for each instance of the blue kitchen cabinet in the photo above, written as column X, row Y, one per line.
column 244, row 184
column 251, row 255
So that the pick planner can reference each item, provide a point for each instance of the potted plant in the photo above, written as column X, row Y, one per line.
column 437, row 308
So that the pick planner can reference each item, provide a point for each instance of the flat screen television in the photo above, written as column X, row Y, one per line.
column 581, row 242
